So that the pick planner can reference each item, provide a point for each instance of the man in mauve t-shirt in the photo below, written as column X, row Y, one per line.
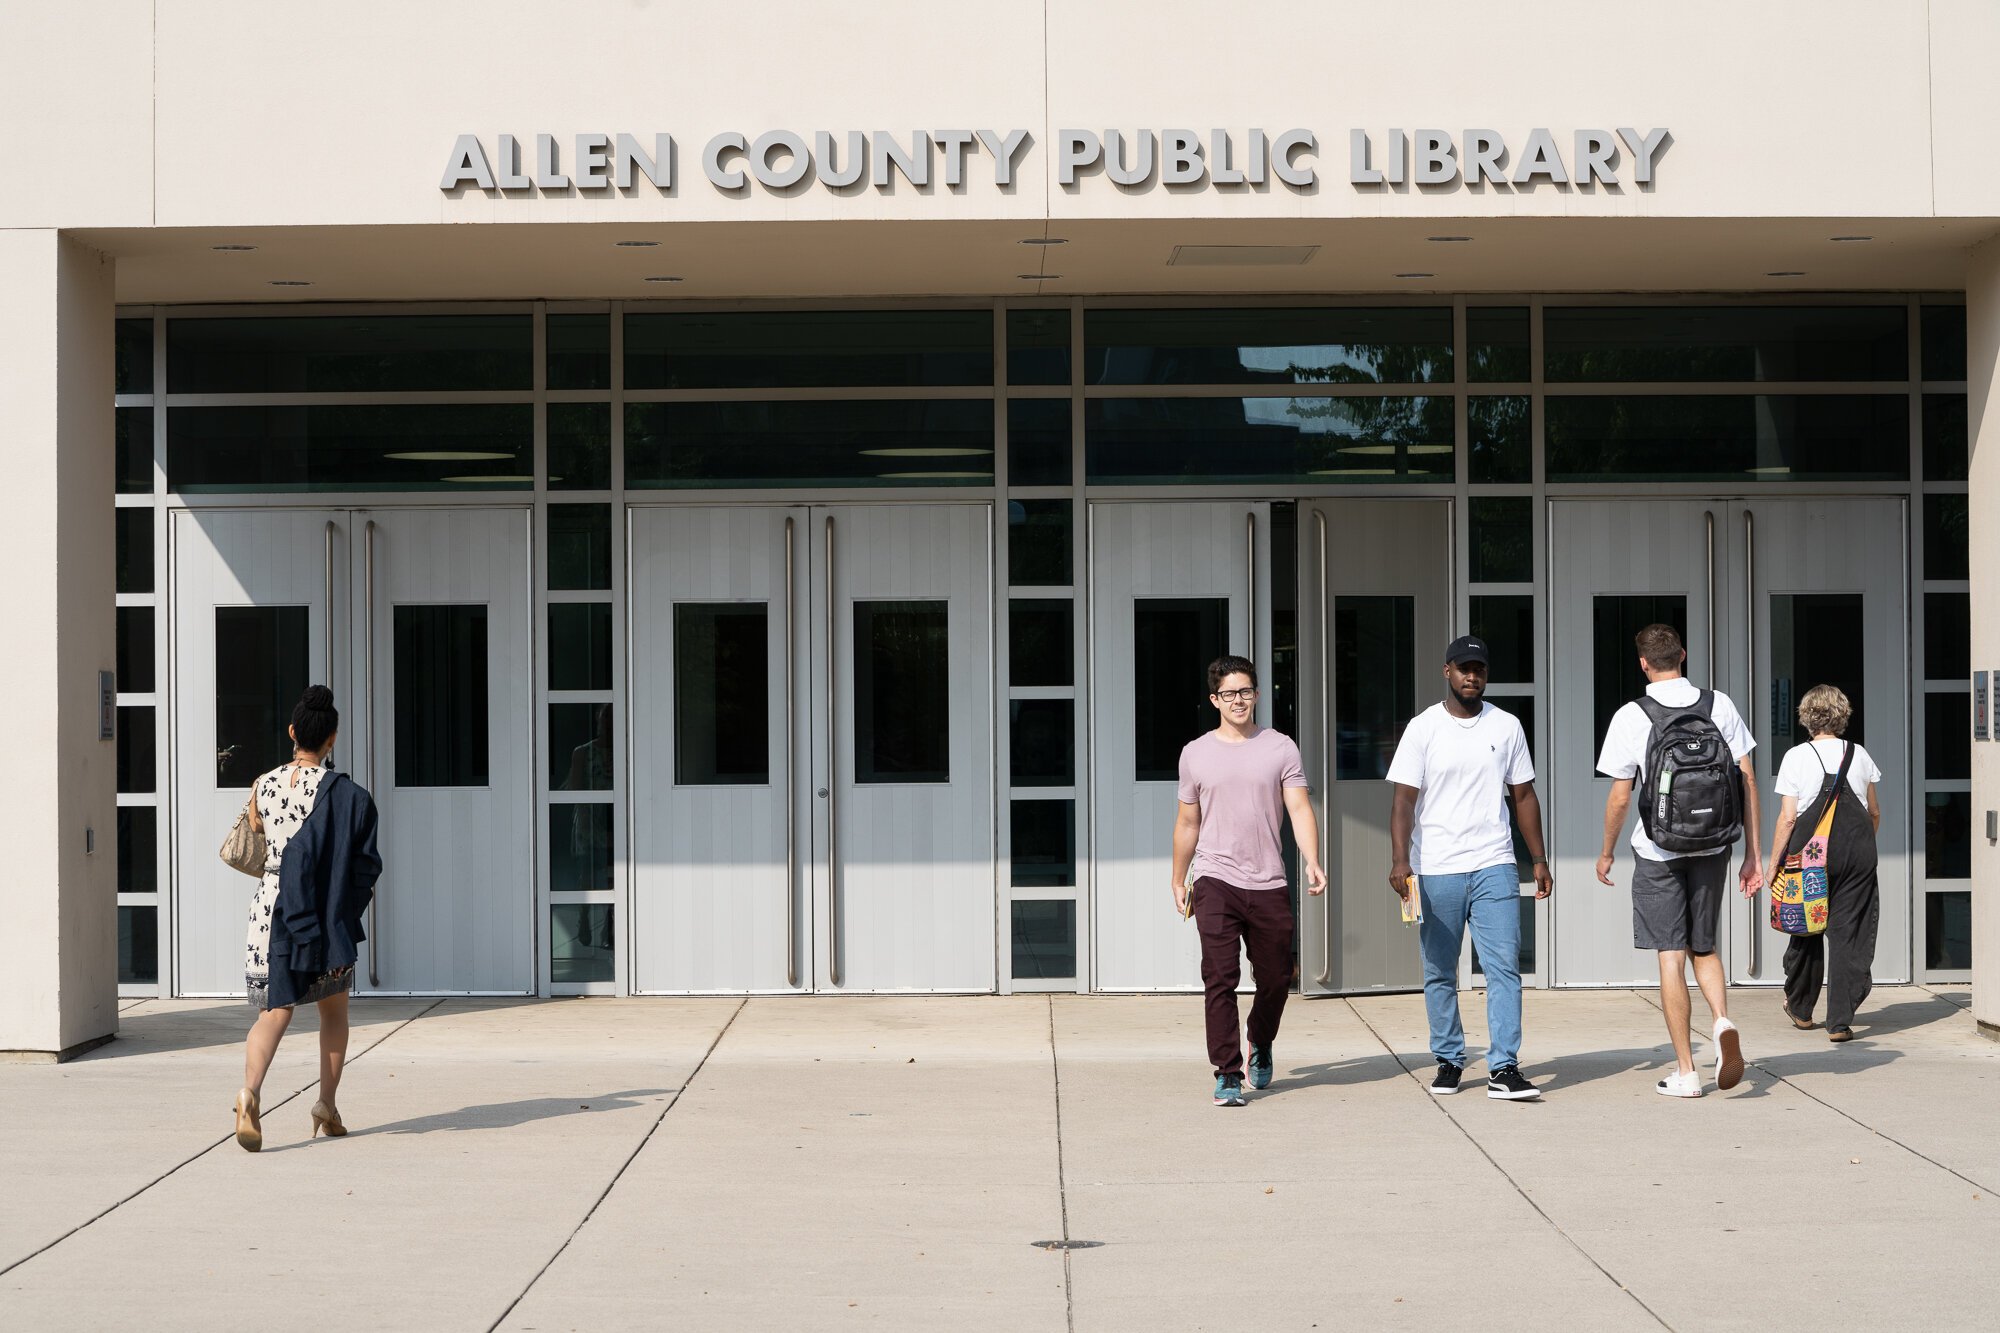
column 1235, row 783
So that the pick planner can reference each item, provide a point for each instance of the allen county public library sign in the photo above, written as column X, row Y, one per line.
column 784, row 160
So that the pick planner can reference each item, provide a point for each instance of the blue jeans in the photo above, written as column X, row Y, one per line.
column 1490, row 900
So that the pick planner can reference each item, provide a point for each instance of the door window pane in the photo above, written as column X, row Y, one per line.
column 579, row 446
column 262, row 666
column 132, row 548
column 139, row 946
column 1038, row 347
column 1945, row 437
column 1044, row 844
column 722, row 693
column 1816, row 639
column 1948, row 929
column 1038, row 543
column 1615, row 677
column 138, row 849
column 1507, row 623
column 579, row 351
column 135, row 649
column 1740, row 438
column 1044, row 940
column 581, row 944
column 1946, row 537
column 352, row 447
column 1944, row 342
column 1948, row 835
column 1496, row 343
column 790, row 443
column 902, row 692
column 135, row 450
column 1041, row 641
column 579, row 546
column 1038, row 442
column 1374, row 682
column 579, row 848
column 1173, row 641
column 1947, row 635
column 582, row 746
column 1500, row 435
column 1522, row 706
column 1602, row 343
column 1947, row 736
column 1174, row 441
column 133, row 361
column 809, row 349
column 441, row 696
column 1307, row 345
column 1042, row 742
column 579, row 645
column 136, row 753
column 1503, row 539
column 350, row 353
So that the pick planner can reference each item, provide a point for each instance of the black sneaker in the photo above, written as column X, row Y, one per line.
column 1448, row 1075
column 1507, row 1084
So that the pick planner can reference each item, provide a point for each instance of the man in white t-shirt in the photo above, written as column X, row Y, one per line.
column 1454, row 768
column 1676, row 896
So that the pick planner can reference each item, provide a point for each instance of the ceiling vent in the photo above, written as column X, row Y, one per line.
column 1241, row 256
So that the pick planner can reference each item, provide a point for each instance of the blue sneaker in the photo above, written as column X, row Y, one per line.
column 1229, row 1090
column 1260, row 1067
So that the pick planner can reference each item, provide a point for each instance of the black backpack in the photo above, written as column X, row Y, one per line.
column 1691, row 798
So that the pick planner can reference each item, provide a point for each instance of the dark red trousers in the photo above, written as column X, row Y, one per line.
column 1234, row 921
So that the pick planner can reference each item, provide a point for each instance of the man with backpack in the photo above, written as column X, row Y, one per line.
column 1688, row 752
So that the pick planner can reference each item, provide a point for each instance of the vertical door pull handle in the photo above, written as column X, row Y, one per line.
column 832, row 772
column 1326, row 748
column 1708, row 517
column 329, row 603
column 374, row 732
column 1250, row 545
column 1750, row 691
column 791, row 775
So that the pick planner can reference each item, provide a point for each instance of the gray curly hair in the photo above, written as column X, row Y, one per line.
column 1825, row 710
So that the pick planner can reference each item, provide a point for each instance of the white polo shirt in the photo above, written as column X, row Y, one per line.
column 1624, row 752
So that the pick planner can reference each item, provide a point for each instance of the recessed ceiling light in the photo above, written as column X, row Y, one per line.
column 1038, row 277
column 663, row 278
column 1787, row 273
column 289, row 282
column 1850, row 238
column 635, row 245
column 1046, row 240
column 232, row 249
column 1447, row 238
column 1416, row 275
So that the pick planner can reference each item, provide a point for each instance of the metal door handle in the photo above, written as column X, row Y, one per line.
column 1750, row 689
column 1709, row 516
column 1326, row 745
column 368, row 676
column 329, row 603
column 1250, row 543
column 832, row 775
column 791, row 779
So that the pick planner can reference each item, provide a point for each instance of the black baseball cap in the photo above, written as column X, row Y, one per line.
column 1466, row 648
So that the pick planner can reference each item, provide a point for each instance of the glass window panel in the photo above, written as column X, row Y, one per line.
column 808, row 349
column 1507, row 623
column 352, row 447
column 1503, row 539
column 579, row 350
column 1038, row 543
column 1759, row 343
column 1944, row 342
column 1164, row 441
column 1044, row 843
column 1948, row 929
column 1041, row 742
column 1526, row 961
column 1496, row 344
column 1501, row 439
column 139, row 946
column 1947, row 736
column 263, row 660
column 135, row 450
column 441, row 696
column 722, row 693
column 1522, row 706
column 580, row 645
column 350, row 353
column 1173, row 641
column 579, row 446
column 579, row 546
column 902, row 692
column 1401, row 345
column 1038, row 442
column 579, row 848
column 132, row 548
column 1374, row 682
column 136, row 753
column 138, row 849
column 1041, row 641
column 1816, row 639
column 582, row 747
column 1751, row 437
column 1044, row 939
column 1038, row 347
column 1948, row 835
column 582, row 946
column 1616, row 680
column 1947, row 636
column 1946, row 537
column 133, row 358
column 1945, row 436
column 135, row 649
column 790, row 443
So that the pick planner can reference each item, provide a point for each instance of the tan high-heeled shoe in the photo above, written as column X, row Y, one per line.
column 249, row 1124
column 326, row 1118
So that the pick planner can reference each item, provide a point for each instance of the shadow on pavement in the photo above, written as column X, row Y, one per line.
column 508, row 1115
column 1338, row 1073
column 226, row 1023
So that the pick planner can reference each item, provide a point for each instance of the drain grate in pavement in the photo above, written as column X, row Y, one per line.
column 1068, row 1244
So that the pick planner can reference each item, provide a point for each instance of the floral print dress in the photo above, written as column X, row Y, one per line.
column 284, row 798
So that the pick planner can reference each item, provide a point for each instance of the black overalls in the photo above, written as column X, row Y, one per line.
column 1854, row 908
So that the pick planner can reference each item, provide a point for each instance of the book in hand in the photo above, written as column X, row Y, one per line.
column 1413, row 903
column 1187, row 900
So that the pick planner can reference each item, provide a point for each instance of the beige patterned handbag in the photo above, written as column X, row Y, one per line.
column 244, row 849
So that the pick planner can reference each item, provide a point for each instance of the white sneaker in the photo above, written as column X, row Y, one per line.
column 1678, row 1084
column 1728, row 1055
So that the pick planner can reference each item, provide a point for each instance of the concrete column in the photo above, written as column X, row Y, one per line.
column 58, row 901
column 1982, row 369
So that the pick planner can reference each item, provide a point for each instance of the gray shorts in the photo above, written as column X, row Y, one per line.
column 1677, row 904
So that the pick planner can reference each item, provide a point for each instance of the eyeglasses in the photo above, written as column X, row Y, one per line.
column 1232, row 696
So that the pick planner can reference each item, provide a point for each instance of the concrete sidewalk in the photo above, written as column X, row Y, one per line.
column 816, row 1163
